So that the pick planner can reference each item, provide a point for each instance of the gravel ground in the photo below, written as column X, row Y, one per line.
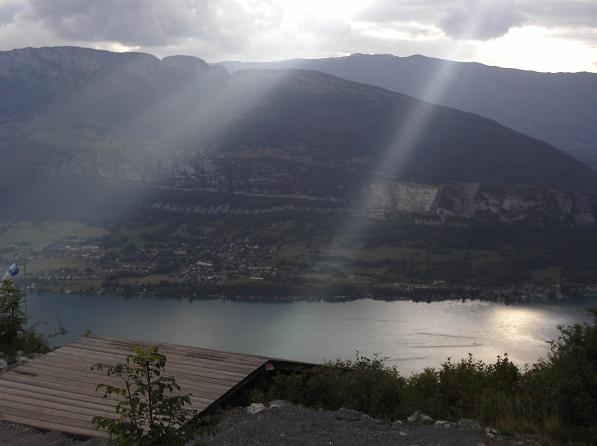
column 19, row 435
column 288, row 425
column 283, row 424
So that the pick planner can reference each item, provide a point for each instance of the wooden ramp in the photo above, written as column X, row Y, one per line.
column 58, row 391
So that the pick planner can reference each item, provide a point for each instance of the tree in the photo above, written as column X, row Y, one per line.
column 150, row 413
column 12, row 318
column 15, row 336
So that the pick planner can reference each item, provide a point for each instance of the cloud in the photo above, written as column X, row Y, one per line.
column 460, row 19
column 9, row 9
column 281, row 29
column 496, row 17
column 149, row 23
column 561, row 13
column 481, row 19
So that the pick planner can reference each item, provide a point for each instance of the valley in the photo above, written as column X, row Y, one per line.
column 133, row 175
column 292, row 257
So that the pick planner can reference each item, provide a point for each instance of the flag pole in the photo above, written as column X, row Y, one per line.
column 25, row 284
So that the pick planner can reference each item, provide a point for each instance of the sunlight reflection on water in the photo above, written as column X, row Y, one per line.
column 412, row 335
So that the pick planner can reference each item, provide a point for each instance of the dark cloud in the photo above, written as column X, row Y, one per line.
column 485, row 19
column 561, row 13
column 465, row 19
column 264, row 29
column 148, row 23
column 481, row 19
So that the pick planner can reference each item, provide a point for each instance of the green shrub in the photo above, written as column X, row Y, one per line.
column 15, row 335
column 422, row 393
column 364, row 384
column 555, row 398
column 569, row 377
column 150, row 412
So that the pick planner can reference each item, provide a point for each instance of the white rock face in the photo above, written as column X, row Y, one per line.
column 474, row 201
column 401, row 197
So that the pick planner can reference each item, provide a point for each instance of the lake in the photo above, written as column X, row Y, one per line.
column 412, row 335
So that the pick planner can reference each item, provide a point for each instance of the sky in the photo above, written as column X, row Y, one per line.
column 541, row 35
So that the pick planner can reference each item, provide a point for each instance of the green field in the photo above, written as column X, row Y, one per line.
column 34, row 236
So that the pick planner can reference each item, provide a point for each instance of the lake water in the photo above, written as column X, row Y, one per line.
column 412, row 335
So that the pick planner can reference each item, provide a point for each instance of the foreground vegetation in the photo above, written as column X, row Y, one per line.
column 17, row 337
column 555, row 398
column 151, row 410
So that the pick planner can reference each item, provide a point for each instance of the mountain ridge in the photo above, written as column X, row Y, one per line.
column 555, row 107
column 180, row 124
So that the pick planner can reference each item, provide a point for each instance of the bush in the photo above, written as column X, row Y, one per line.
column 364, row 384
column 569, row 379
column 555, row 398
column 15, row 336
column 150, row 412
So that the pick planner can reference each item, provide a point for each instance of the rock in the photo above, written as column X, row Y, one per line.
column 256, row 408
column 348, row 414
column 444, row 423
column 419, row 417
column 469, row 425
column 22, row 360
column 3, row 365
column 279, row 403
column 35, row 355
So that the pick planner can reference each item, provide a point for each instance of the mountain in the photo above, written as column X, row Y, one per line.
column 559, row 108
column 88, row 130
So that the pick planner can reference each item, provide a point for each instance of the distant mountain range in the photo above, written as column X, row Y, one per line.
column 559, row 108
column 84, row 130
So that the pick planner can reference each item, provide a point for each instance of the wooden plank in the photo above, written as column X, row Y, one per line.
column 87, row 389
column 7, row 385
column 55, row 415
column 171, row 355
column 187, row 384
column 214, row 370
column 67, row 406
column 180, row 349
column 58, row 390
column 88, row 404
column 92, row 358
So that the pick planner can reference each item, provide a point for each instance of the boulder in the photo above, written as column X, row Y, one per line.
column 3, row 365
column 256, row 408
column 279, row 403
column 419, row 417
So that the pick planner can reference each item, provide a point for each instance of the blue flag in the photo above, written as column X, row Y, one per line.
column 13, row 270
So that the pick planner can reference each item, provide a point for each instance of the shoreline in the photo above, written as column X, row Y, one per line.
column 423, row 293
